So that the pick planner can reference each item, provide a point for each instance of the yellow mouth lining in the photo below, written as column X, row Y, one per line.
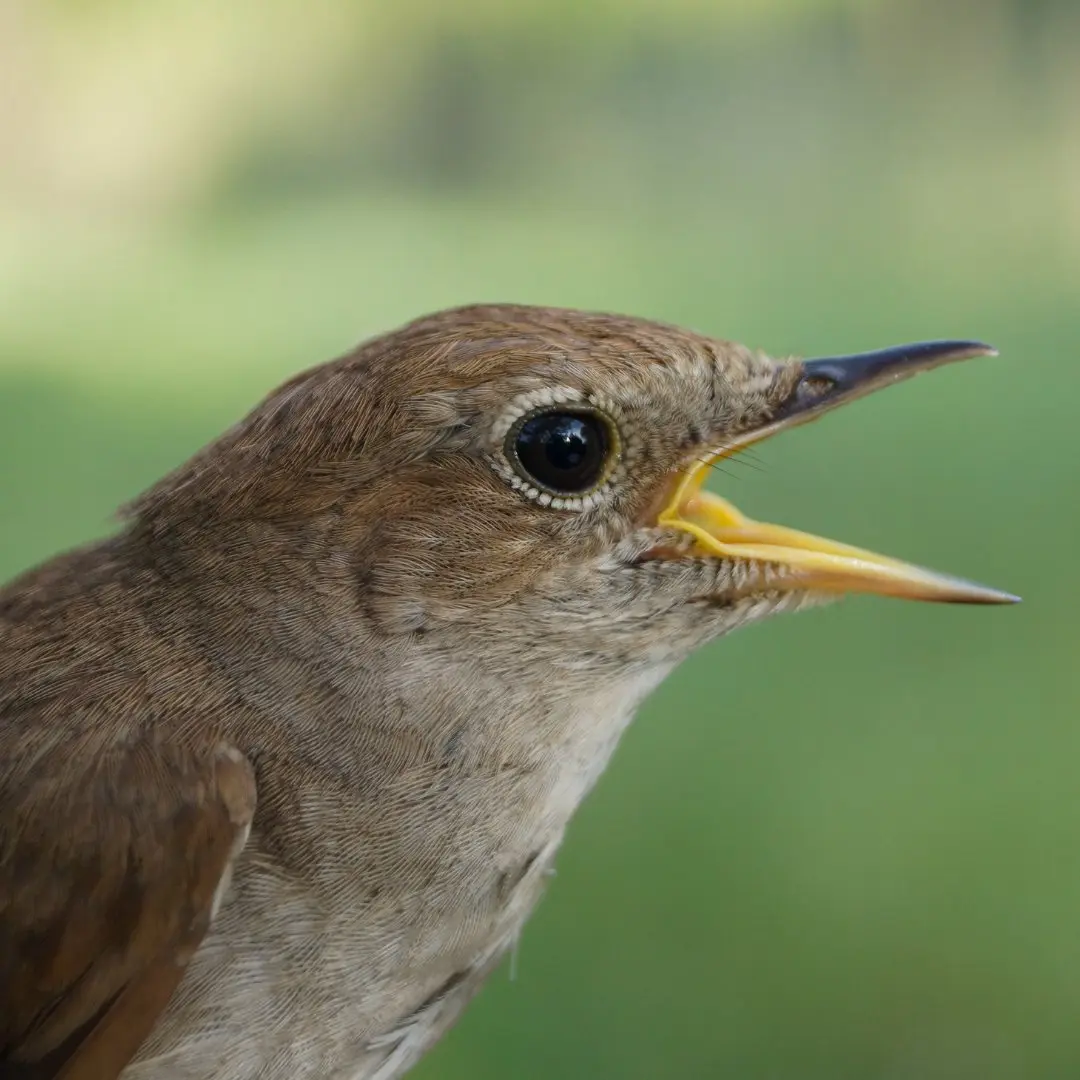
column 815, row 563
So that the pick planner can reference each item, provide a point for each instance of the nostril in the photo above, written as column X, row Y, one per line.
column 813, row 387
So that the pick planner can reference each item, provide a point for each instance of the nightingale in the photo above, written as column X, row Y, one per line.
column 285, row 763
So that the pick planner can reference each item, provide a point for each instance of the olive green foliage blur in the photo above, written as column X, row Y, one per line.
column 844, row 844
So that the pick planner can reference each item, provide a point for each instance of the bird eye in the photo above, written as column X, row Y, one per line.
column 563, row 452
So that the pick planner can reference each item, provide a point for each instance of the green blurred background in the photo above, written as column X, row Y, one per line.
column 840, row 845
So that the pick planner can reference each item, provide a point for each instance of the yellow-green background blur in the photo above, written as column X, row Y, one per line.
column 840, row 845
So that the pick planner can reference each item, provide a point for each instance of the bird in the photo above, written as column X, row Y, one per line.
column 286, row 760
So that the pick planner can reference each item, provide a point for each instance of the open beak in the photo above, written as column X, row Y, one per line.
column 814, row 563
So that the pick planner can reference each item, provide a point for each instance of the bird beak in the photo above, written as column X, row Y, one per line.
column 814, row 563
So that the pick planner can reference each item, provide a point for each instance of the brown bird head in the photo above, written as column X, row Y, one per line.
column 350, row 671
column 522, row 487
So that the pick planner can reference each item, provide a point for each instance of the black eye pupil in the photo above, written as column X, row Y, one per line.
column 563, row 453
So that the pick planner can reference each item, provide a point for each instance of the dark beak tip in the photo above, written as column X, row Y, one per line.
column 841, row 376
column 1005, row 600
column 921, row 354
column 964, row 349
column 983, row 596
column 946, row 348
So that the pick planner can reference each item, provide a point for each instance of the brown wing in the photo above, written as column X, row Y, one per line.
column 110, row 873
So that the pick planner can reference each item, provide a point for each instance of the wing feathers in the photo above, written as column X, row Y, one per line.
column 100, row 913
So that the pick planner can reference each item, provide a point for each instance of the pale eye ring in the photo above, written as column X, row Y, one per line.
column 563, row 450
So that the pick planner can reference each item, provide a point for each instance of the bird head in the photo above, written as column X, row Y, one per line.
column 525, row 485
